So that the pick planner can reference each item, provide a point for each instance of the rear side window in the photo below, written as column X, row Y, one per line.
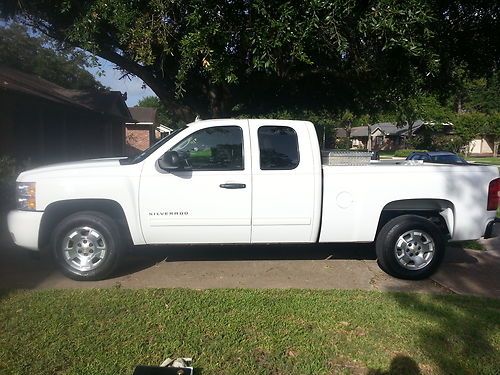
column 279, row 147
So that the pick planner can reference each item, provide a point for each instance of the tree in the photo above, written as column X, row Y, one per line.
column 163, row 115
column 39, row 55
column 480, row 112
column 492, row 130
column 215, row 58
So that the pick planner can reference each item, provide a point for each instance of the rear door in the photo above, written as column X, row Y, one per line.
column 286, row 196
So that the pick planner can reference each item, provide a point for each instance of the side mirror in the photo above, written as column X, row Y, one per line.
column 170, row 160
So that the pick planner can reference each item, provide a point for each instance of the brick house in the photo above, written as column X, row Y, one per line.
column 42, row 122
column 140, row 131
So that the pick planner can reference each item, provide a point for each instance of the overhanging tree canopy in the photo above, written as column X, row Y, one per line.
column 213, row 57
column 37, row 54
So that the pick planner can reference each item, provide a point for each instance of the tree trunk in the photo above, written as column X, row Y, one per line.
column 160, row 87
column 219, row 100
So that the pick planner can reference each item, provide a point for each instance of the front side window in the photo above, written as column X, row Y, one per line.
column 217, row 148
column 279, row 147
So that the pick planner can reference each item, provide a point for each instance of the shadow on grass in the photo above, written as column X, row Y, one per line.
column 455, row 337
column 400, row 365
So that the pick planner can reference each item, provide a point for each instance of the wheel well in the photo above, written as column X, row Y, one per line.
column 428, row 208
column 57, row 211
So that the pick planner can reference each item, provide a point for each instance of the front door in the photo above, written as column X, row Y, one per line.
column 208, row 201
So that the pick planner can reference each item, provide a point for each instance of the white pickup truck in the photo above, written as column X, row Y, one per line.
column 245, row 182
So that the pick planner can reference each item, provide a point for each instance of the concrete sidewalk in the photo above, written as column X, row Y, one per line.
column 284, row 266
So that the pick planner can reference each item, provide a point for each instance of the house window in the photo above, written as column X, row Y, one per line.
column 279, row 147
column 213, row 149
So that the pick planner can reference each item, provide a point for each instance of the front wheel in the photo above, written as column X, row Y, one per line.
column 86, row 246
column 410, row 247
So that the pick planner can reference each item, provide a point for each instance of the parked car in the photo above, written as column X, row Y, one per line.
column 441, row 157
column 250, row 181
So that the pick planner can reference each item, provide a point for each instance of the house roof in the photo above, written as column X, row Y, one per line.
column 102, row 101
column 144, row 114
column 387, row 128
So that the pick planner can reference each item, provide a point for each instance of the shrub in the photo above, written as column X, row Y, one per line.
column 405, row 153
column 7, row 182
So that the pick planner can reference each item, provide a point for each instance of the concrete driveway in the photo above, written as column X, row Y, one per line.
column 284, row 266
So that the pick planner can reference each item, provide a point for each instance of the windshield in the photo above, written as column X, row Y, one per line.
column 143, row 155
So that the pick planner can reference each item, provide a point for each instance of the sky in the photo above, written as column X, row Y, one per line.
column 111, row 79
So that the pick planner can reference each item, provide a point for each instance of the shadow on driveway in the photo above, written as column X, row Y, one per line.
column 146, row 256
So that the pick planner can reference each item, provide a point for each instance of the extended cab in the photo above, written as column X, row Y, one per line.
column 249, row 181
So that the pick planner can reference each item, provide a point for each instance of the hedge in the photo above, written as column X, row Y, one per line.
column 405, row 153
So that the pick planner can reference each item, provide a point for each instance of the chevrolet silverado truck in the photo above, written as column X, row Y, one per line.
column 250, row 182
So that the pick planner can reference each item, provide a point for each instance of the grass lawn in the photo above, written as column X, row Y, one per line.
column 248, row 332
column 386, row 154
column 474, row 245
column 492, row 160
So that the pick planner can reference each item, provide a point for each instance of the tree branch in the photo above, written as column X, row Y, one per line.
column 159, row 87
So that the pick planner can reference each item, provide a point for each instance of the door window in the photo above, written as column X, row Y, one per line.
column 279, row 147
column 213, row 149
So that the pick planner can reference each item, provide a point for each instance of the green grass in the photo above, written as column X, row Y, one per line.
column 386, row 154
column 474, row 245
column 248, row 332
column 492, row 160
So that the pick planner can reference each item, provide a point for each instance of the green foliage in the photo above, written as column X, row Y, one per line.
column 405, row 152
column 210, row 57
column 40, row 55
column 469, row 125
column 483, row 95
column 7, row 181
column 164, row 117
column 342, row 143
column 7, row 167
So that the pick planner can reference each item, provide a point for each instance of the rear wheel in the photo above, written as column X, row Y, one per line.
column 86, row 246
column 410, row 247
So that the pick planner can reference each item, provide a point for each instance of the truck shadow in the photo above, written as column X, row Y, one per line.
column 146, row 256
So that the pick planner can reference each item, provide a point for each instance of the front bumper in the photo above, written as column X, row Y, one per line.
column 488, row 233
column 24, row 227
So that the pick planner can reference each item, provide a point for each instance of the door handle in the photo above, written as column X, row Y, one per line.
column 233, row 186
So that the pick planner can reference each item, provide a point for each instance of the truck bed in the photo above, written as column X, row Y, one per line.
column 354, row 196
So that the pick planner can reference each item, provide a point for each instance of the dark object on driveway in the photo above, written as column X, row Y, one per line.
column 155, row 370
column 179, row 366
column 441, row 157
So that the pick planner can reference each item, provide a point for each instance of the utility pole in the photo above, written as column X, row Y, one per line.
column 369, row 141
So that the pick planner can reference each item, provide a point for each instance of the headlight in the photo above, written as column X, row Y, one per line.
column 26, row 195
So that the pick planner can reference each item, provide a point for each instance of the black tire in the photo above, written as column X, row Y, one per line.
column 109, row 233
column 387, row 240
